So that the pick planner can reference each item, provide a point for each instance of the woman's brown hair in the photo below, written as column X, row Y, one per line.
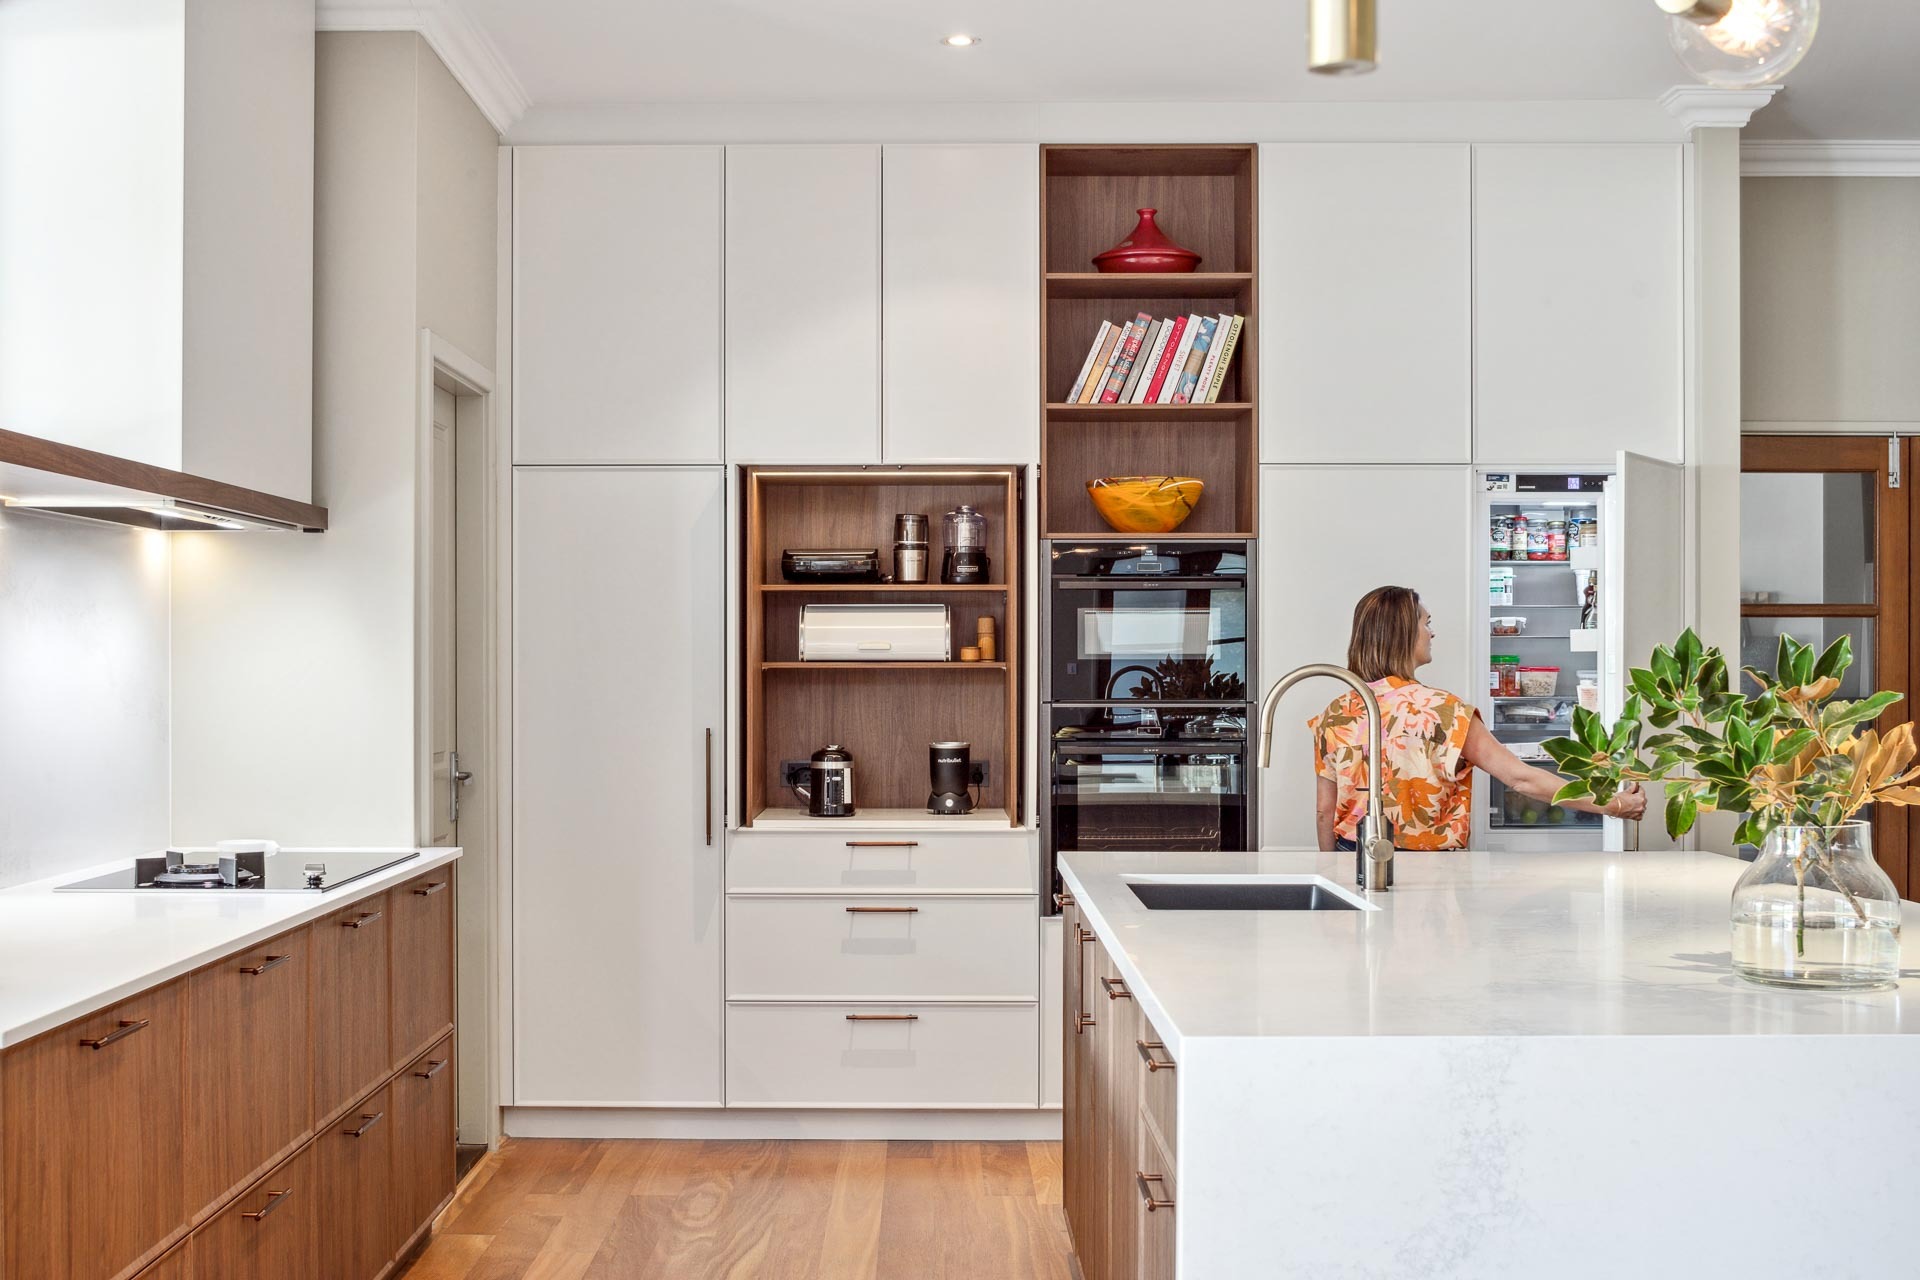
column 1386, row 634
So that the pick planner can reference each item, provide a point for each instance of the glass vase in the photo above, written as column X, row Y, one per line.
column 1815, row 910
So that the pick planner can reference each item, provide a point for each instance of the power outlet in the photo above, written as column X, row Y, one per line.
column 977, row 773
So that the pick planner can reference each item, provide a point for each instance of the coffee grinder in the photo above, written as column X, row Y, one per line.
column 965, row 559
column 950, row 765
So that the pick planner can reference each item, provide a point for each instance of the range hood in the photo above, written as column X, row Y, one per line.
column 47, row 477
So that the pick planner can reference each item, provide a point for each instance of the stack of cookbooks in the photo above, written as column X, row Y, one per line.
column 1182, row 360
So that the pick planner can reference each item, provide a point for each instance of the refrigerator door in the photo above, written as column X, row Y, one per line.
column 1644, row 594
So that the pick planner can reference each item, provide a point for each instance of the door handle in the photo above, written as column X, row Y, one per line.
column 434, row 1068
column 362, row 920
column 273, row 1202
column 709, row 810
column 456, row 778
column 126, row 1028
column 1148, row 1181
column 270, row 962
column 367, row 1121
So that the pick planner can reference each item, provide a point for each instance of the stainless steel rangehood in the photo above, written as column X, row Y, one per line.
column 62, row 479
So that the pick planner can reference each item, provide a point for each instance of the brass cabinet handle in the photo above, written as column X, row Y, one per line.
column 1063, row 900
column 1082, row 1019
column 273, row 1202
column 271, row 962
column 904, row 911
column 1154, row 1064
column 366, row 1122
column 433, row 1069
column 1121, row 994
column 126, row 1028
column 431, row 889
column 883, row 844
column 362, row 921
column 1086, row 935
column 709, row 786
column 1146, row 1191
column 883, row 1017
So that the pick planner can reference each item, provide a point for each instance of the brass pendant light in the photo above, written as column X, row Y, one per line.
column 1340, row 37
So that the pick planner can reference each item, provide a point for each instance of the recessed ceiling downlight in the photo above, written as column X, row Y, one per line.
column 959, row 40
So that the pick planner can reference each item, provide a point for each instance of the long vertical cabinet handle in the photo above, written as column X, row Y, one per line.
column 709, row 787
column 1083, row 1019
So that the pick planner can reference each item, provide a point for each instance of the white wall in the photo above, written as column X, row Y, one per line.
column 308, row 736
column 83, row 694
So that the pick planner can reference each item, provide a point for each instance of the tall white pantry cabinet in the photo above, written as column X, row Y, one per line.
column 678, row 311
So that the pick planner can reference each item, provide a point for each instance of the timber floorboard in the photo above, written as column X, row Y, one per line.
column 575, row 1209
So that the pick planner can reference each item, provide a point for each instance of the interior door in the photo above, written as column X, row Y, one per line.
column 619, row 646
column 442, row 666
column 1644, row 600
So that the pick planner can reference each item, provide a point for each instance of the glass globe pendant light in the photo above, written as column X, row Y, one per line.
column 1738, row 44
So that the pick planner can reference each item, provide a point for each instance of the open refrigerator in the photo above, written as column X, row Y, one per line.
column 1597, row 584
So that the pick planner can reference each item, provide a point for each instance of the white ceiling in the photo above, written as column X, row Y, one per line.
column 1858, row 81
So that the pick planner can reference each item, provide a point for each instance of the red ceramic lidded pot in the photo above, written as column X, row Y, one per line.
column 1147, row 249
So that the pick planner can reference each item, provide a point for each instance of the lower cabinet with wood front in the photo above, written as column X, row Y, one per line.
column 1119, row 1122
column 272, row 1114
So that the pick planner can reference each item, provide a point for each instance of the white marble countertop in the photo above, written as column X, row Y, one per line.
column 1465, row 944
column 64, row 955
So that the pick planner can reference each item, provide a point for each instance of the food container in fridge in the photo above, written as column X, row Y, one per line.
column 875, row 633
column 1539, row 682
column 1509, row 626
column 1590, row 690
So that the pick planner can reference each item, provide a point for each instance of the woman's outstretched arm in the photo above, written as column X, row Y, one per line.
column 1484, row 751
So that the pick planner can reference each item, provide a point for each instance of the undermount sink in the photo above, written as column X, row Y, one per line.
column 1215, row 893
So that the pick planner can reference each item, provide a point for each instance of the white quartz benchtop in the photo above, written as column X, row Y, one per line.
column 64, row 955
column 1465, row 944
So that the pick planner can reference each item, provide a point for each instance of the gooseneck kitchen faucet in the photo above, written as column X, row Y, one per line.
column 1377, row 846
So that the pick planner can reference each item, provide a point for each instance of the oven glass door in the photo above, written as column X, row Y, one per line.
column 1158, row 639
column 1173, row 794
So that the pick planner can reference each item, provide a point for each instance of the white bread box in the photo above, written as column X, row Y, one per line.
column 875, row 633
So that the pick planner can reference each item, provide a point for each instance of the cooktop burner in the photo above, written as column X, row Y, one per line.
column 288, row 871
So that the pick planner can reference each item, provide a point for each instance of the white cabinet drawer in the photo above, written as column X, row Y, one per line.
column 874, row 948
column 870, row 1056
column 881, row 862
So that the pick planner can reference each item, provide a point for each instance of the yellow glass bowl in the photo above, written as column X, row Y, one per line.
column 1145, row 504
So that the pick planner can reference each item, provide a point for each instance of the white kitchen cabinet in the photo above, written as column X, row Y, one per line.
column 1365, row 329
column 1329, row 535
column 803, row 304
column 1577, row 303
column 618, row 750
column 1052, row 988
column 616, row 304
column 961, row 303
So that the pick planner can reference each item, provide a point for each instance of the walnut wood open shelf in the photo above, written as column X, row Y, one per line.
column 884, row 713
column 1206, row 196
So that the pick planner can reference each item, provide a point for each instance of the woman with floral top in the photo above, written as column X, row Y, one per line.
column 1432, row 741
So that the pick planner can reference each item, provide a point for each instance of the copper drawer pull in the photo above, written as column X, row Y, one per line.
column 273, row 1202
column 433, row 1069
column 1063, row 900
column 126, row 1028
column 883, row 1017
column 1121, row 994
column 883, row 844
column 1146, row 1191
column 361, row 922
column 431, row 889
column 271, row 962
column 1085, row 1020
column 904, row 911
column 1154, row 1064
column 366, row 1122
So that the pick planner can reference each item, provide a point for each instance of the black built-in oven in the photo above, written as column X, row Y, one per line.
column 1148, row 683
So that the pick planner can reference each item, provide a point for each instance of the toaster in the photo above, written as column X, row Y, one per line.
column 875, row 633
column 831, row 566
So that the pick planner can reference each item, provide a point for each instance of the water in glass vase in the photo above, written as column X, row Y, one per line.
column 1837, row 953
column 1815, row 910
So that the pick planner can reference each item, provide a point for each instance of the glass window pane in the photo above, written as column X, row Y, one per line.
column 1806, row 537
column 1760, row 644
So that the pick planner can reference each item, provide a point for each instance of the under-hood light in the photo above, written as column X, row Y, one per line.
column 147, row 515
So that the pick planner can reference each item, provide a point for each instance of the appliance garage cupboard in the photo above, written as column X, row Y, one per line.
column 113, row 1164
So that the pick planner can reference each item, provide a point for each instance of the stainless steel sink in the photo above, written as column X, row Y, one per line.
column 1202, row 894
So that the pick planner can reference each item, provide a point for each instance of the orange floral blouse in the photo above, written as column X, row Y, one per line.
column 1429, row 796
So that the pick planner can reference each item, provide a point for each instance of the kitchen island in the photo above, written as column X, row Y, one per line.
column 1509, row 1065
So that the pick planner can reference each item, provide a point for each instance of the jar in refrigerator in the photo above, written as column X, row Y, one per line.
column 1556, row 539
column 1502, row 540
column 1538, row 545
column 1506, row 675
column 1517, row 538
column 1590, row 532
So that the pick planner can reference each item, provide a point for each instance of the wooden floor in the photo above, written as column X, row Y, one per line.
column 583, row 1210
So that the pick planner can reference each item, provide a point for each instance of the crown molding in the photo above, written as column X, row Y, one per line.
column 469, row 54
column 1783, row 159
column 1701, row 106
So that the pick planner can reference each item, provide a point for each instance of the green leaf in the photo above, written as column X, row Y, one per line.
column 1791, row 745
column 1720, row 771
column 1643, row 683
column 1838, row 715
column 1589, row 728
column 1837, row 658
column 1665, row 668
column 1783, row 659
column 1565, row 750
column 1573, row 791
column 1687, row 652
column 1802, row 664
column 1682, row 809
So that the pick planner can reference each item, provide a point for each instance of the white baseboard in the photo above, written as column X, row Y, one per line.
column 937, row 1126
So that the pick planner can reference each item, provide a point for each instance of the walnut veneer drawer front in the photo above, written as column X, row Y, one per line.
column 859, row 861
column 1160, row 1086
column 351, row 1000
column 867, row 1056
column 422, row 961
column 881, row 948
column 271, row 1229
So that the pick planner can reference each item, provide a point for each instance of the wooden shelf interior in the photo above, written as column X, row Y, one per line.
column 1206, row 197
column 885, row 713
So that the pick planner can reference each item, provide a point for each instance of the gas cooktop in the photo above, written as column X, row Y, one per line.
column 289, row 871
